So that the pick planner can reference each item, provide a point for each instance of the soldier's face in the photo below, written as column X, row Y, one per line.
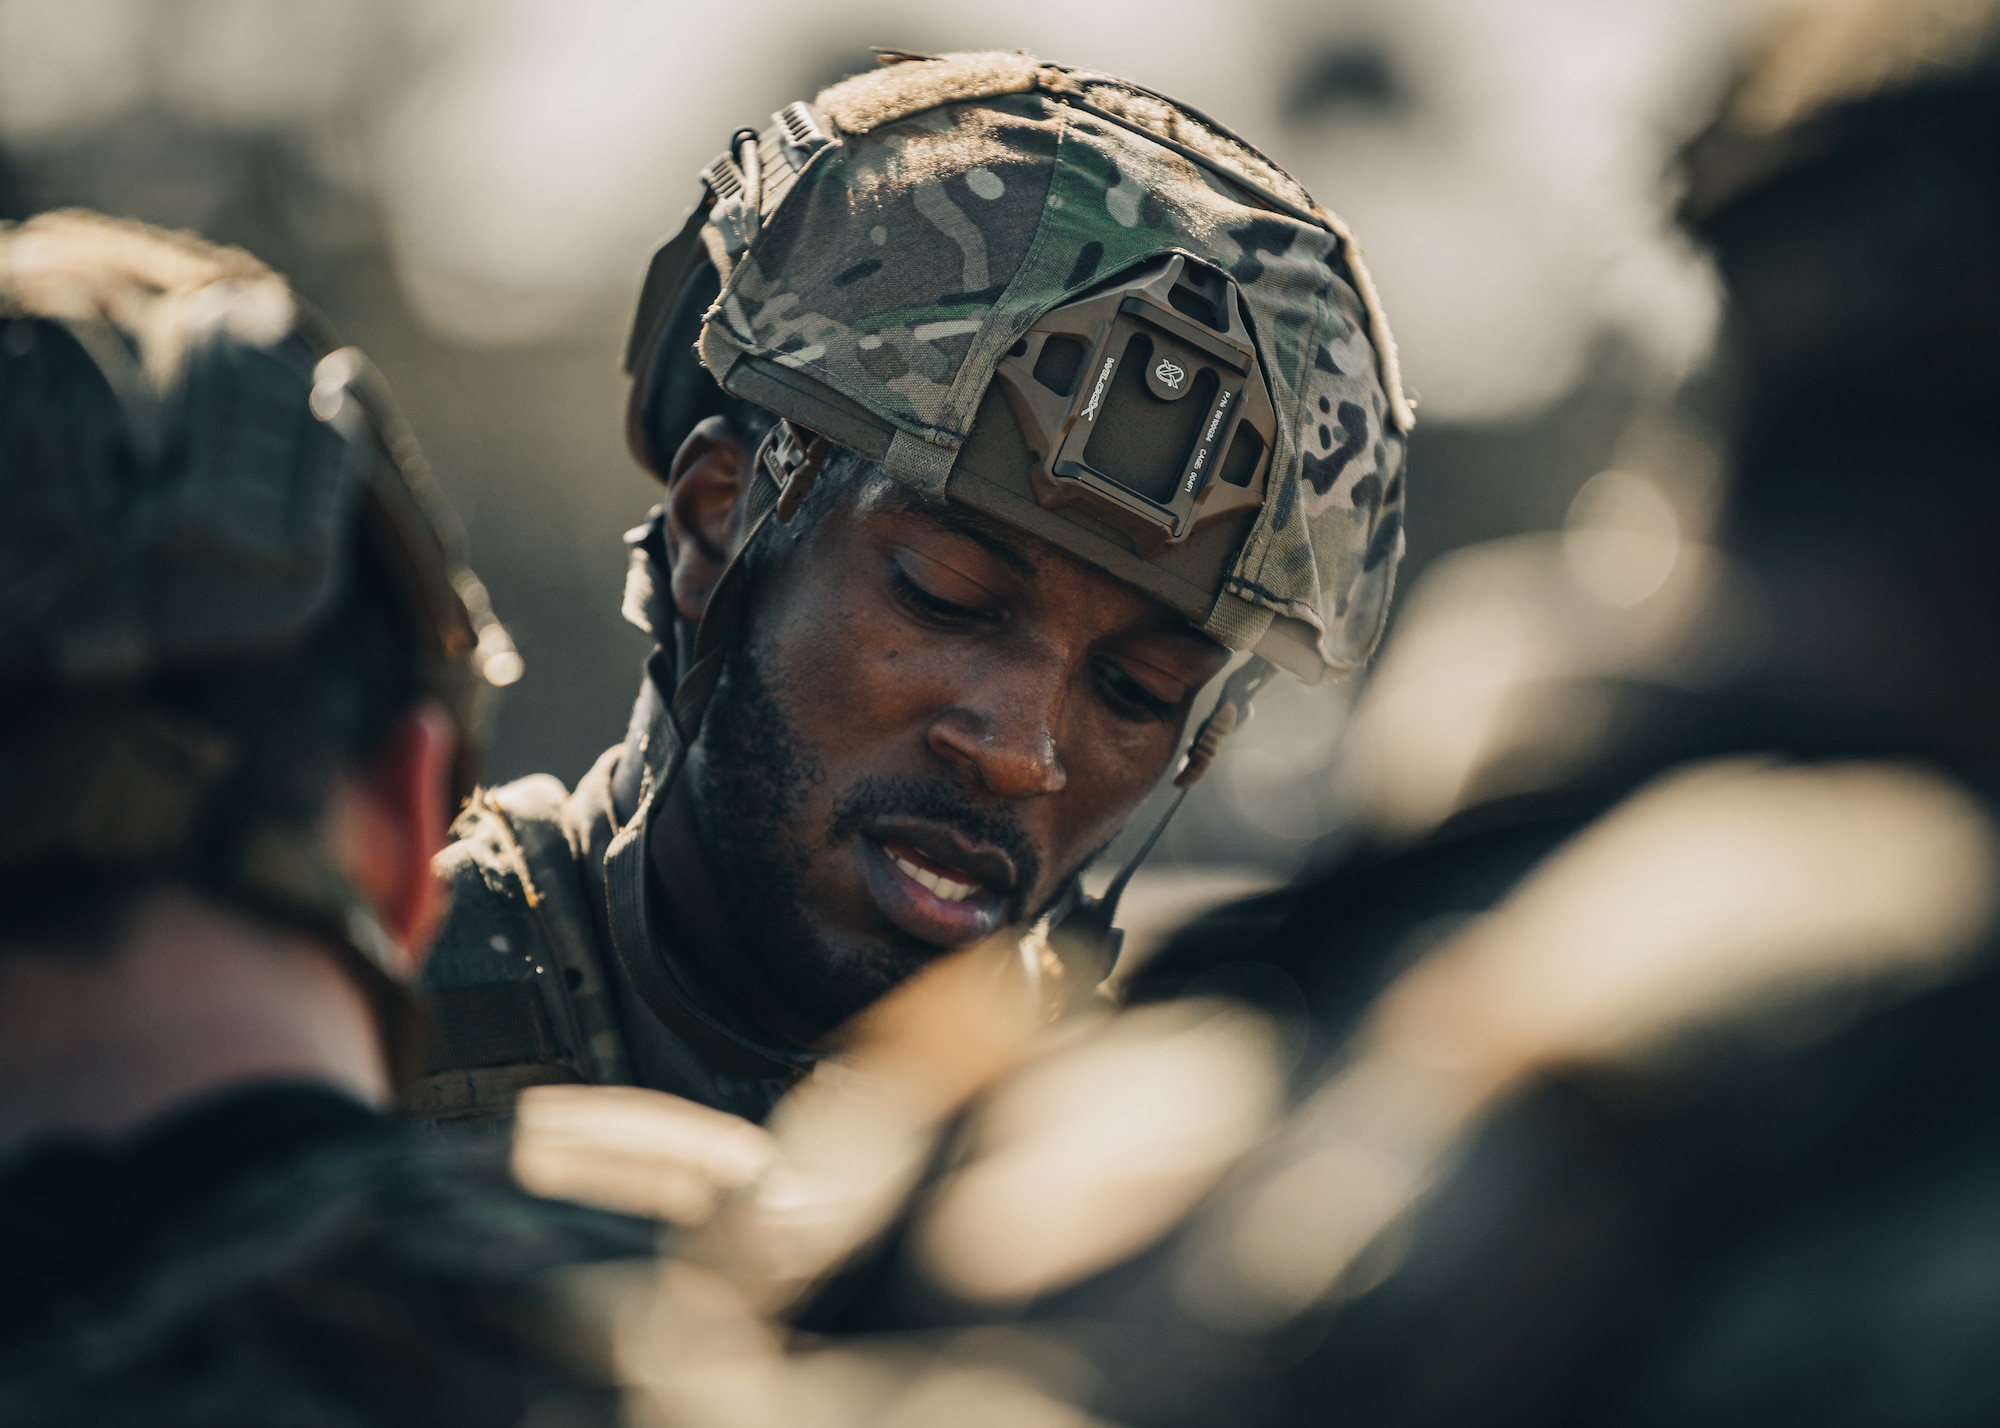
column 930, row 723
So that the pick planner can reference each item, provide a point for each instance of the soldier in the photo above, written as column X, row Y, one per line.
column 243, row 661
column 1649, row 1068
column 997, row 404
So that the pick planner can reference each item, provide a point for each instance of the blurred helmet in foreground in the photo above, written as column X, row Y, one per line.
column 186, row 467
column 1849, row 186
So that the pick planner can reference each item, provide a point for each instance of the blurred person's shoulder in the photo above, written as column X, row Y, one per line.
column 1760, row 1234
column 1745, row 1159
column 517, row 979
column 284, row 1254
column 1689, row 1113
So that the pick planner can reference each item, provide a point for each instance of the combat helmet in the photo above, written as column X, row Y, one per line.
column 1083, row 308
column 186, row 461
column 1077, row 306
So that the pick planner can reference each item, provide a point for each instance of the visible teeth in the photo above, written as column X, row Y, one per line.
column 950, row 889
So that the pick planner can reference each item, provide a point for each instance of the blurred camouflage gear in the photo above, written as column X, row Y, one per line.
column 877, row 253
column 283, row 1255
column 184, row 465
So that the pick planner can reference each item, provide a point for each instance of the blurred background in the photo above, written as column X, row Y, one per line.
column 470, row 192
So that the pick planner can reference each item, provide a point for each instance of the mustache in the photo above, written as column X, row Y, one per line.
column 940, row 802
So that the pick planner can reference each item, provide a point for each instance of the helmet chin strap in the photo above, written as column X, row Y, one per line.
column 782, row 471
column 1083, row 937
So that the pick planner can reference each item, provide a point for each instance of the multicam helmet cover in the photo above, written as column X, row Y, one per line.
column 881, row 251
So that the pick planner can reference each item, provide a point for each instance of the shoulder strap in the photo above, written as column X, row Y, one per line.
column 515, row 986
column 565, row 909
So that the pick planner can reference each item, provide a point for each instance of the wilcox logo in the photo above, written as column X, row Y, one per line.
column 1097, row 392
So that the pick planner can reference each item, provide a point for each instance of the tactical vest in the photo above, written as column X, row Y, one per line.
column 529, row 985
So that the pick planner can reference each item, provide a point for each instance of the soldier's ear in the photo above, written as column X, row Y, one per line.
column 387, row 822
column 704, row 524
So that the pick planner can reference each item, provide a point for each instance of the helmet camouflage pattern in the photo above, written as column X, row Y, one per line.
column 874, row 258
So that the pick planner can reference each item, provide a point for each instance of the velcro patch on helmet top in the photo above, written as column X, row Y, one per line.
column 906, row 259
column 916, row 83
column 892, row 256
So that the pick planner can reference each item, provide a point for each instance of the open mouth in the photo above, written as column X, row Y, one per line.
column 934, row 884
column 910, row 863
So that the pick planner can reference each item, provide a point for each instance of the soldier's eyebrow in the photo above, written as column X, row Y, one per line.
column 982, row 530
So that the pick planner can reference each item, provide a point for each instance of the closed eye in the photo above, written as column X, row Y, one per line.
column 933, row 608
column 1130, row 699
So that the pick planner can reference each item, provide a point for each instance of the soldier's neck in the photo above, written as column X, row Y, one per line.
column 193, row 1000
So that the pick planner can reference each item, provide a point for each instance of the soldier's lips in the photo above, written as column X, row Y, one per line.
column 933, row 884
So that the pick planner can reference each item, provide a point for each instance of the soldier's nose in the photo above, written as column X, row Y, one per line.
column 1012, row 757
